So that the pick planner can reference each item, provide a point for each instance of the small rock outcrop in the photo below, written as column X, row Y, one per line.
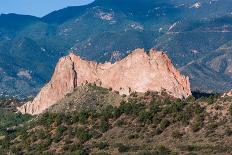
column 139, row 71
column 228, row 93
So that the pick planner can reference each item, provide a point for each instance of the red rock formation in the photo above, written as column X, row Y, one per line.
column 138, row 72
column 229, row 93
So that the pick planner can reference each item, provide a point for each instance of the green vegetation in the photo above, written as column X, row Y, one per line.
column 230, row 109
column 102, row 145
column 177, row 134
column 122, row 148
column 10, row 119
column 142, row 123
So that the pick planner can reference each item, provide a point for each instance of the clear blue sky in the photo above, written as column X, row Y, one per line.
column 37, row 7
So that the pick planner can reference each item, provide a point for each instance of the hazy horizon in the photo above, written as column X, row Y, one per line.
column 37, row 8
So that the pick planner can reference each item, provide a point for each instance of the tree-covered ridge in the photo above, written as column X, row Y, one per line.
column 149, row 123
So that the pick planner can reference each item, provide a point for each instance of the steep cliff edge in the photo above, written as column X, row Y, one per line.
column 139, row 71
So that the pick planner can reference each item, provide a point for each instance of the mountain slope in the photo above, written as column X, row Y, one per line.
column 95, row 120
column 106, row 30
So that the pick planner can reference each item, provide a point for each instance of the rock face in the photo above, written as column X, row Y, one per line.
column 228, row 93
column 138, row 72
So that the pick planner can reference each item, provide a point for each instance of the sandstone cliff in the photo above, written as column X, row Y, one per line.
column 138, row 72
column 228, row 93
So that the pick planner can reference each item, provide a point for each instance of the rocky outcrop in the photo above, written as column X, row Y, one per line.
column 139, row 71
column 228, row 93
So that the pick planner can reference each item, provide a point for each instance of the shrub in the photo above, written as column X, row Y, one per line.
column 196, row 126
column 189, row 148
column 162, row 150
column 10, row 119
column 124, row 95
column 186, row 114
column 24, row 135
column 43, row 145
column 67, row 140
column 125, row 108
column 158, row 131
column 74, row 147
column 167, row 101
column 75, row 118
column 164, row 124
column 164, row 93
column 147, row 93
column 109, row 112
column 41, row 134
column 57, row 138
column 156, row 120
column 47, row 142
column 70, row 132
column 145, row 116
column 119, row 123
column 211, row 99
column 177, row 134
column 102, row 145
column 212, row 126
column 68, row 119
column 197, row 109
column 5, row 143
column 230, row 110
column 83, row 117
column 154, row 107
column 123, row 148
column 191, row 99
column 184, row 117
column 146, row 152
column 46, row 119
column 83, row 135
column 130, row 108
column 60, row 129
column 133, row 136
column 15, row 149
column 228, row 132
column 174, row 107
column 133, row 94
column 80, row 152
column 104, row 126
column 59, row 119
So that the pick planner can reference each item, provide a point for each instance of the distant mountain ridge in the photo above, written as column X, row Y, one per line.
column 196, row 35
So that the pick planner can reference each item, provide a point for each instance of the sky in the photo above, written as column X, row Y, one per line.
column 37, row 8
